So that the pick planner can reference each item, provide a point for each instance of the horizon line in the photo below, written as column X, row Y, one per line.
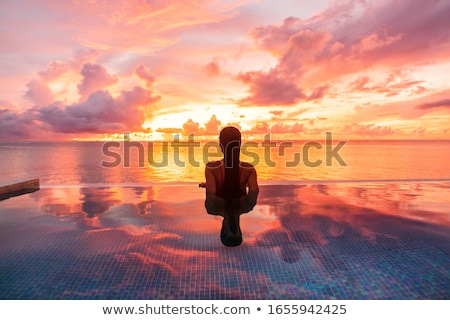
column 209, row 140
column 261, row 183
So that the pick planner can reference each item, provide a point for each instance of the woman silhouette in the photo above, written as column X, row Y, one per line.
column 231, row 186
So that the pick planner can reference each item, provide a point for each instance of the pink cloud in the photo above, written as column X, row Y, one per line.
column 144, row 73
column 318, row 92
column 303, row 46
column 213, row 68
column 374, row 41
column 344, row 39
column 4, row 104
column 270, row 89
column 275, row 88
column 390, row 86
column 96, row 112
column 414, row 108
column 360, row 84
column 38, row 92
column 138, row 26
column 95, row 77
column 54, row 70
column 275, row 38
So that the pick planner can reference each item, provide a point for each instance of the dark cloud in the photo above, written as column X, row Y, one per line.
column 95, row 77
column 100, row 113
column 445, row 103
column 14, row 125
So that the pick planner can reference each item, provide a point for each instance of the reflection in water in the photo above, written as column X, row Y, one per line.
column 97, row 201
column 303, row 242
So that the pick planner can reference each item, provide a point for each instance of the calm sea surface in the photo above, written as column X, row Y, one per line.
column 61, row 163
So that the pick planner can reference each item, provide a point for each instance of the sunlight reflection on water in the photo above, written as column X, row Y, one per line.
column 81, row 162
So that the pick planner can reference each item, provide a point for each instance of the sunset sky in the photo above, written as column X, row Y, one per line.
column 96, row 69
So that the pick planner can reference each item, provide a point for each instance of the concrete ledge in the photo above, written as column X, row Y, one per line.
column 19, row 188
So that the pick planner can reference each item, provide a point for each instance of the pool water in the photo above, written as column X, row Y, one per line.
column 321, row 241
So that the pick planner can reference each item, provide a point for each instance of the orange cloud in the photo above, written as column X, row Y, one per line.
column 368, row 130
column 265, row 128
column 169, row 130
column 212, row 127
column 213, row 68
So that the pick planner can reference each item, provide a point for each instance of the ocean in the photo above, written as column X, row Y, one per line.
column 80, row 162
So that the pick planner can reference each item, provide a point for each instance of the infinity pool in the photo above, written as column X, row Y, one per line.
column 318, row 241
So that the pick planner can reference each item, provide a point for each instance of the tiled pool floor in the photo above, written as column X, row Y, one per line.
column 157, row 242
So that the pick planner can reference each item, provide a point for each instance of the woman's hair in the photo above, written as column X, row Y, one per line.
column 230, row 142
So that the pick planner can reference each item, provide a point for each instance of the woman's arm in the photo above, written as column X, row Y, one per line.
column 248, row 201
column 252, row 181
column 213, row 204
column 210, row 180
